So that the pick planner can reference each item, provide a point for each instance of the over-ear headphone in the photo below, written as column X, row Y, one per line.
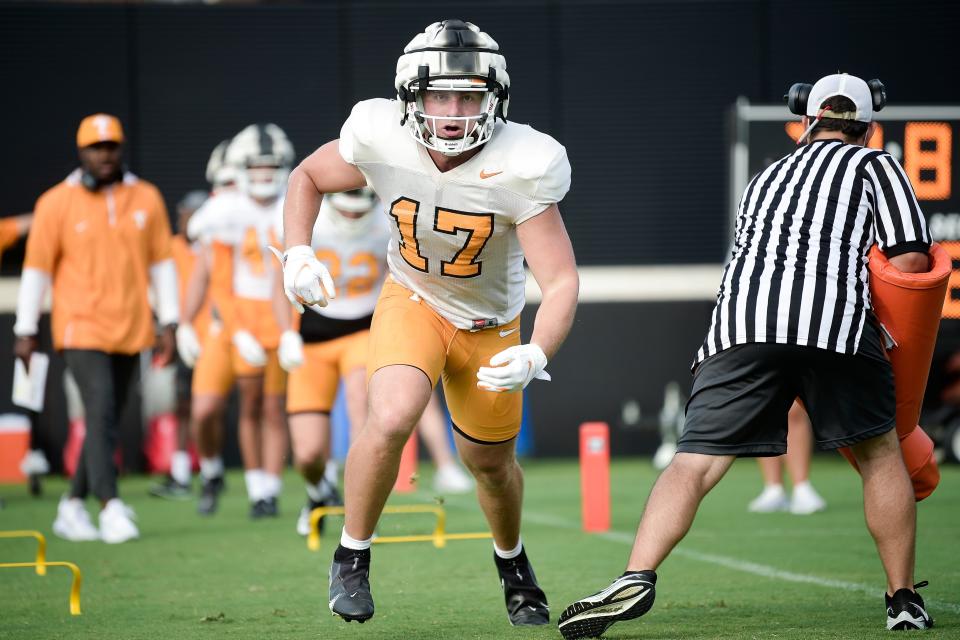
column 796, row 98
column 878, row 93
column 798, row 94
column 88, row 181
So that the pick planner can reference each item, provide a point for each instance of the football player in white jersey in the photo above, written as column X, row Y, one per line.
column 350, row 237
column 330, row 344
column 237, row 228
column 203, row 345
column 469, row 199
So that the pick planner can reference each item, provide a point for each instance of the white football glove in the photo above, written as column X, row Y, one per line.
column 512, row 369
column 306, row 280
column 290, row 352
column 188, row 344
column 249, row 349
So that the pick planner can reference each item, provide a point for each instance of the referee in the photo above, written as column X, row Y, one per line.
column 793, row 319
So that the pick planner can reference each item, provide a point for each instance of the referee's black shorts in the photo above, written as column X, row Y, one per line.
column 741, row 397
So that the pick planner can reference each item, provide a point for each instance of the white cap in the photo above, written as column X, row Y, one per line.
column 842, row 84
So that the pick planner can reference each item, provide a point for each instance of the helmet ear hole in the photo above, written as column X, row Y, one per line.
column 878, row 94
column 796, row 98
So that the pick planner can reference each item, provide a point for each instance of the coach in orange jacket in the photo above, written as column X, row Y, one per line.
column 99, row 239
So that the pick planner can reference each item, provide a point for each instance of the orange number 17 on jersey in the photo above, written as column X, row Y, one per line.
column 465, row 263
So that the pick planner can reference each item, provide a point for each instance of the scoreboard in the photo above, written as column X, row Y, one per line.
column 924, row 139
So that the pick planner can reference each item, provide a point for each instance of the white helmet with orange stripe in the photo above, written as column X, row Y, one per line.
column 264, row 155
column 452, row 55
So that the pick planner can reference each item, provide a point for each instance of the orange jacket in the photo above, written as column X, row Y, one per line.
column 97, row 247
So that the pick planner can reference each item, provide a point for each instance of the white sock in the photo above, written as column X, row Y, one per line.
column 331, row 473
column 353, row 543
column 180, row 467
column 512, row 553
column 253, row 478
column 272, row 484
column 211, row 467
column 802, row 486
column 318, row 492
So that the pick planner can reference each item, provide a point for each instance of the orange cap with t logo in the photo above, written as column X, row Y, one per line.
column 100, row 127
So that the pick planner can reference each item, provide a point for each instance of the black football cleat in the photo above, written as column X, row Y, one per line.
column 350, row 596
column 170, row 489
column 906, row 611
column 526, row 602
column 630, row 596
column 265, row 508
column 210, row 491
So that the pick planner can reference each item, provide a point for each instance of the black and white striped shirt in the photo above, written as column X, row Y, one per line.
column 798, row 270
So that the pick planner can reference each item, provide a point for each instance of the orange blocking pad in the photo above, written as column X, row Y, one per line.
column 909, row 306
column 595, row 476
column 407, row 475
column 14, row 444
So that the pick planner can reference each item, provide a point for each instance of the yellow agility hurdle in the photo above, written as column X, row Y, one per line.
column 439, row 536
column 41, row 561
column 74, row 587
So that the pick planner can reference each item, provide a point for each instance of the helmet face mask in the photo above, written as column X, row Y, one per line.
column 264, row 181
column 349, row 212
column 474, row 129
column 452, row 56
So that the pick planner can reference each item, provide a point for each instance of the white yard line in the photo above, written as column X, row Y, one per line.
column 736, row 564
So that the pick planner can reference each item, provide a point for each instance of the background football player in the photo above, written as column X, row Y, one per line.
column 237, row 230
column 469, row 200
column 203, row 344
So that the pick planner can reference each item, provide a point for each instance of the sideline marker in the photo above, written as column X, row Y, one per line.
column 406, row 476
column 595, row 476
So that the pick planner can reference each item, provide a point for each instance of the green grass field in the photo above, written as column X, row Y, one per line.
column 735, row 575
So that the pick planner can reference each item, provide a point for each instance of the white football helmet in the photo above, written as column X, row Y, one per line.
column 265, row 157
column 349, row 211
column 219, row 173
column 452, row 55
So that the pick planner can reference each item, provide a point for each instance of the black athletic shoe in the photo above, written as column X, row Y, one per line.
column 350, row 596
column 630, row 596
column 333, row 499
column 210, row 492
column 266, row 508
column 35, row 485
column 905, row 610
column 170, row 489
column 526, row 602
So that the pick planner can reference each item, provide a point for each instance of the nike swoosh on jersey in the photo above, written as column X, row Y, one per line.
column 504, row 334
column 484, row 174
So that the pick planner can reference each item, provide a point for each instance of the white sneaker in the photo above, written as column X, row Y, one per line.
column 773, row 498
column 303, row 522
column 664, row 455
column 35, row 464
column 116, row 523
column 73, row 522
column 806, row 500
column 452, row 479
